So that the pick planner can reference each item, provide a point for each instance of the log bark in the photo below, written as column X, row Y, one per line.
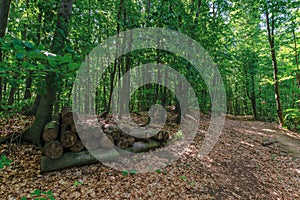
column 51, row 131
column 53, row 149
column 77, row 147
column 161, row 135
column 71, row 159
column 141, row 146
column 68, row 138
column 68, row 117
column 131, row 140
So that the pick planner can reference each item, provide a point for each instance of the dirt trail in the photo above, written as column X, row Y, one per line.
column 287, row 140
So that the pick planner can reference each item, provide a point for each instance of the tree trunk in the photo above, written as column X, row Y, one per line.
column 253, row 97
column 271, row 29
column 4, row 10
column 34, row 107
column 45, row 107
column 297, row 63
column 28, row 84
column 112, row 75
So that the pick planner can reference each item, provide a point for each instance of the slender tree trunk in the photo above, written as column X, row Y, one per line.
column 297, row 63
column 13, row 89
column 270, row 29
column 4, row 10
column 45, row 106
column 253, row 97
column 112, row 75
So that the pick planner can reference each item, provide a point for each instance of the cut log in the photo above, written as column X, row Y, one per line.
column 161, row 135
column 51, row 131
column 68, row 138
column 78, row 146
column 53, row 149
column 122, row 142
column 131, row 140
column 71, row 159
column 68, row 117
column 141, row 146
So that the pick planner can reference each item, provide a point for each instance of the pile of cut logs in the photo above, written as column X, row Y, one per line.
column 60, row 136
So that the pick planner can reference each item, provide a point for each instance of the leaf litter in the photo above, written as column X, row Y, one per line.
column 239, row 167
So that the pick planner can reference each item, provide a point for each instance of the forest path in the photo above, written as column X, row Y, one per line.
column 269, row 133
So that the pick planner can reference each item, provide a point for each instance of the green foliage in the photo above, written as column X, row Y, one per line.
column 161, row 171
column 178, row 135
column 233, row 33
column 184, row 178
column 292, row 118
column 125, row 172
column 131, row 172
column 41, row 195
column 4, row 161
column 77, row 183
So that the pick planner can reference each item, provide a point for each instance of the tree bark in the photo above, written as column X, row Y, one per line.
column 141, row 146
column 71, row 159
column 271, row 38
column 4, row 10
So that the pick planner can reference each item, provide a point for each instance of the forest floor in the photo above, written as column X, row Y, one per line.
column 239, row 167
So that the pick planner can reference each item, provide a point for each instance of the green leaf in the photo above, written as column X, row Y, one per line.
column 125, row 172
column 20, row 56
column 183, row 178
column 52, row 63
column 133, row 171
column 36, row 193
column 3, row 157
column 28, row 45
